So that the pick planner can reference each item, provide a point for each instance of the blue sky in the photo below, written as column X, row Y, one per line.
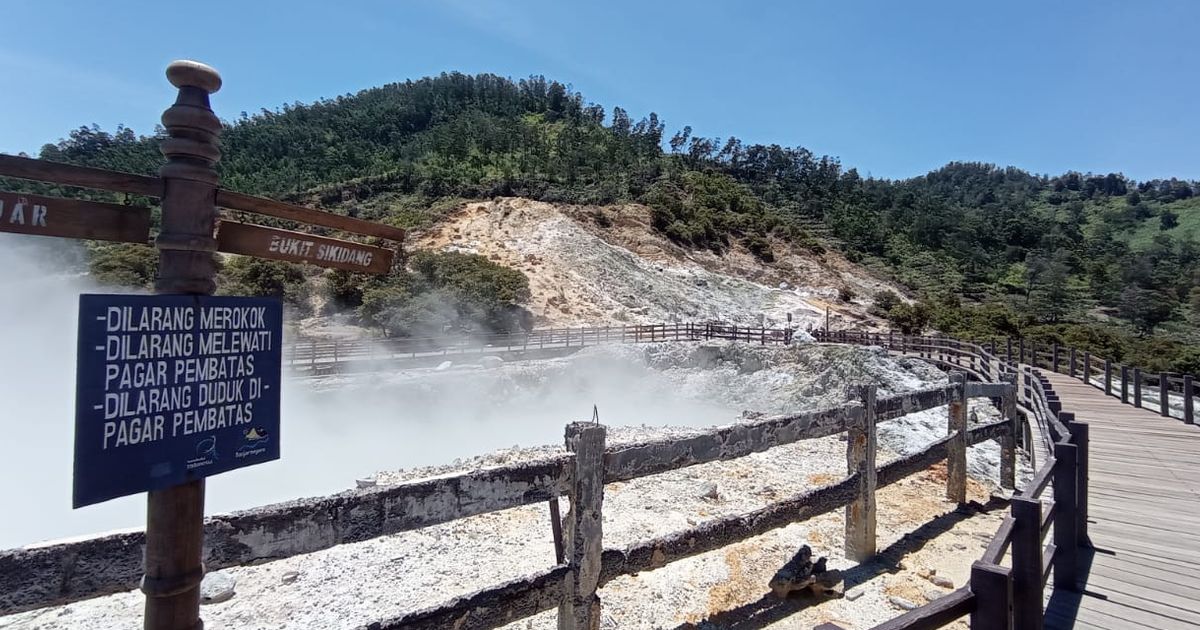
column 892, row 88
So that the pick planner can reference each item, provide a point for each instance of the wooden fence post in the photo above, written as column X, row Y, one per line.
column 1027, row 563
column 861, row 446
column 1033, row 356
column 1066, row 529
column 1008, row 352
column 1072, row 362
column 1107, row 377
column 1087, row 367
column 1188, row 418
column 580, row 607
column 1021, row 347
column 175, row 516
column 1054, row 357
column 1125, row 384
column 1137, row 387
column 993, row 589
column 1164, row 394
column 1080, row 437
column 956, row 450
column 1008, row 443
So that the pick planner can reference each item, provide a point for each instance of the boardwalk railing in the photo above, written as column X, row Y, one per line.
column 1171, row 395
column 316, row 356
column 59, row 573
column 1007, row 583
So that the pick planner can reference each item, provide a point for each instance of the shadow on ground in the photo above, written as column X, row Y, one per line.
column 1064, row 605
column 770, row 609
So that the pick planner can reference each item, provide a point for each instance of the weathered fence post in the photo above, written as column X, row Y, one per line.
column 175, row 516
column 861, row 445
column 1008, row 443
column 1125, row 384
column 580, row 607
column 1027, row 563
column 956, row 450
column 1187, row 399
column 1008, row 352
column 1164, row 394
column 1080, row 436
column 1021, row 347
column 1066, row 529
column 1072, row 361
column 993, row 588
column 1137, row 387
column 1087, row 367
column 1107, row 377
column 1054, row 357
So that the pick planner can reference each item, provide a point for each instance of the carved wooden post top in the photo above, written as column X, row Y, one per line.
column 188, row 73
column 189, row 182
column 191, row 148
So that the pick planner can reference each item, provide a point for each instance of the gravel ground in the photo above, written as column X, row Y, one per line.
column 919, row 532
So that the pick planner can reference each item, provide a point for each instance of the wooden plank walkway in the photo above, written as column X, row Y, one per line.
column 1144, row 518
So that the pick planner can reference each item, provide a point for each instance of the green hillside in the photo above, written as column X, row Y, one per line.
column 1098, row 260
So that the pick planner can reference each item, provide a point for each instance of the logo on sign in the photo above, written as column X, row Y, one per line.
column 206, row 453
column 254, row 441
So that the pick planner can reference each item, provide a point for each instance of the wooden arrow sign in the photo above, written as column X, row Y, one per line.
column 264, row 242
column 73, row 218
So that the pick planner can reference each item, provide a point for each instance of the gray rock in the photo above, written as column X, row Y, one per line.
column 930, row 593
column 216, row 587
column 444, row 365
column 901, row 603
column 709, row 491
column 491, row 362
column 364, row 483
column 289, row 577
column 942, row 581
column 855, row 592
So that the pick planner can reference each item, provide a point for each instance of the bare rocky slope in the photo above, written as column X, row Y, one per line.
column 583, row 274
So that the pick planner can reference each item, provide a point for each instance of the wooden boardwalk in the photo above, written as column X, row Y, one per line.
column 1143, row 518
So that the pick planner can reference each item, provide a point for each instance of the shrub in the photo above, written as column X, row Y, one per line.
column 447, row 291
column 246, row 275
column 759, row 246
column 123, row 264
column 884, row 302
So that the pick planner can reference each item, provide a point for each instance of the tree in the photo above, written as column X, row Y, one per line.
column 1168, row 220
column 680, row 139
column 911, row 319
column 1050, row 298
column 1146, row 308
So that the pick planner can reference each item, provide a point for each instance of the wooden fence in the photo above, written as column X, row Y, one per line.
column 316, row 356
column 60, row 573
column 1007, row 583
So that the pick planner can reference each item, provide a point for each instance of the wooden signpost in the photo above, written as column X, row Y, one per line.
column 72, row 218
column 298, row 247
column 122, row 335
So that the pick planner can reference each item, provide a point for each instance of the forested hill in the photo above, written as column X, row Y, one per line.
column 1097, row 260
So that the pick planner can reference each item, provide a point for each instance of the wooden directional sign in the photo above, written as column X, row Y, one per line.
column 263, row 242
column 73, row 218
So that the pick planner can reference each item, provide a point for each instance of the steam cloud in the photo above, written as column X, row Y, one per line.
column 331, row 432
